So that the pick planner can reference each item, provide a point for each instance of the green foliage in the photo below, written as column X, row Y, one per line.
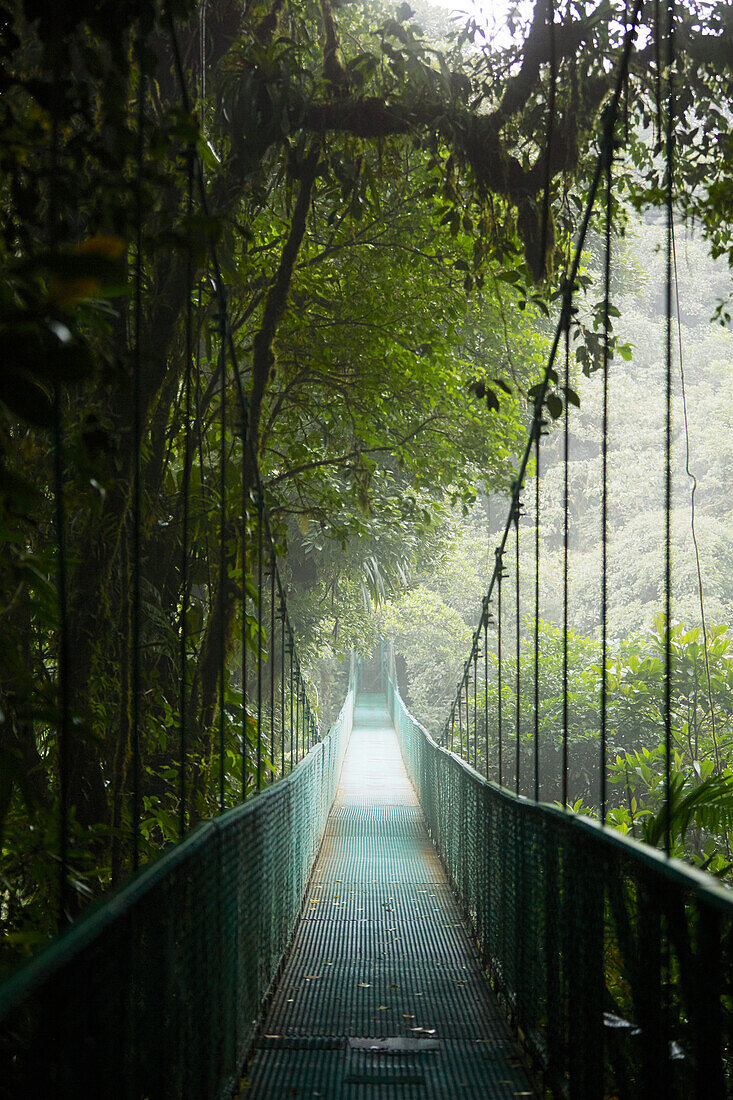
column 375, row 206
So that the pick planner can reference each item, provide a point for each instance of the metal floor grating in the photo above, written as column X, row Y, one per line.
column 382, row 996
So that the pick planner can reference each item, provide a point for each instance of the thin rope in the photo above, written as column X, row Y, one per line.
column 475, row 709
column 222, row 558
column 291, row 648
column 62, row 591
column 537, row 617
column 185, row 489
column 658, row 71
column 245, row 510
column 611, row 114
column 260, row 554
column 468, row 713
column 668, row 439
column 64, row 698
column 198, row 421
column 282, row 685
column 626, row 80
column 297, row 710
column 693, row 491
column 136, row 489
column 550, row 132
column 566, row 545
column 608, row 139
column 519, row 672
column 486, row 686
column 500, row 575
column 271, row 655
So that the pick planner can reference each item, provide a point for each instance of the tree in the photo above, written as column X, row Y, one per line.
column 325, row 152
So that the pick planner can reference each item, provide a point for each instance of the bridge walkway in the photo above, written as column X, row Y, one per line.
column 382, row 994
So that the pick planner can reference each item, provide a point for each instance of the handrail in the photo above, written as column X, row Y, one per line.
column 157, row 990
column 613, row 960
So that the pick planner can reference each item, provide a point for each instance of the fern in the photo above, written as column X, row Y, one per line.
column 708, row 805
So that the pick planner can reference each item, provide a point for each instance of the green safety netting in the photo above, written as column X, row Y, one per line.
column 158, row 991
column 615, row 963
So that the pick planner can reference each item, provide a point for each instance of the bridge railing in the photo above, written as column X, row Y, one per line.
column 157, row 992
column 614, row 961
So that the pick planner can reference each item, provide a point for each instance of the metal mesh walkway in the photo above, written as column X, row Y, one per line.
column 382, row 994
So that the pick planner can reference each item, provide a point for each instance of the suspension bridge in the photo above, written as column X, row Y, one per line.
column 385, row 921
column 364, row 912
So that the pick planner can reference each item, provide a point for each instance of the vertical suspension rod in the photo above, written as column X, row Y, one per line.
column 260, row 555
column 136, row 479
column 486, row 686
column 670, row 137
column 608, row 157
column 518, row 640
column 222, row 557
column 537, row 612
column 565, row 594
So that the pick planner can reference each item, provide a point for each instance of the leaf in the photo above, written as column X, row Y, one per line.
column 492, row 401
column 571, row 396
column 26, row 398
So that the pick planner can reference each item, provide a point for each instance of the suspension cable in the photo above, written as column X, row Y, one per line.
column 693, row 491
column 271, row 655
column 220, row 290
column 222, row 556
column 62, row 589
column 475, row 708
column 282, row 684
column 260, row 555
column 185, row 490
column 64, row 695
column 671, row 106
column 245, row 517
column 136, row 482
column 610, row 115
column 500, row 578
column 566, row 544
column 486, row 685
column 608, row 143
column 537, row 616
column 549, row 134
column 518, row 641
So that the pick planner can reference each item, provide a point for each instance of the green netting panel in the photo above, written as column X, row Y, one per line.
column 157, row 992
column 615, row 963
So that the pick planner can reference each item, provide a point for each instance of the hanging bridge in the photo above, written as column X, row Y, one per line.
column 378, row 910
column 386, row 922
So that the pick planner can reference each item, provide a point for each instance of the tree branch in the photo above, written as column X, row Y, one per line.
column 277, row 295
column 358, row 452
